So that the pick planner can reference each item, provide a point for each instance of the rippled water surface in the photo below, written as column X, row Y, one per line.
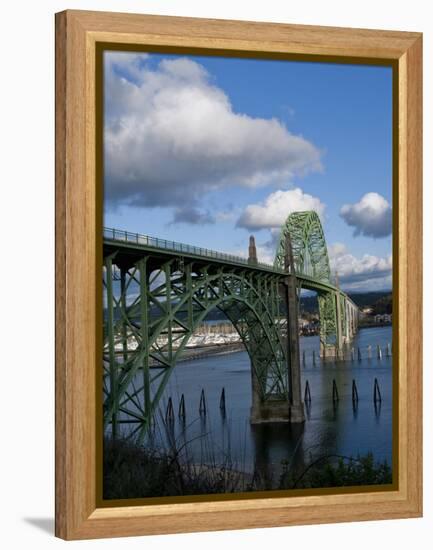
column 329, row 428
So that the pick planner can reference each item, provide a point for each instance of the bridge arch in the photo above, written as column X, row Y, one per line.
column 161, row 321
column 310, row 254
column 157, row 292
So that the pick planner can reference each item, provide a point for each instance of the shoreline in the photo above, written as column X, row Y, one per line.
column 374, row 325
column 211, row 350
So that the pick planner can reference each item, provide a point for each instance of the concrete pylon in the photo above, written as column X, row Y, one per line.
column 252, row 251
column 297, row 413
column 339, row 335
column 338, row 320
column 291, row 408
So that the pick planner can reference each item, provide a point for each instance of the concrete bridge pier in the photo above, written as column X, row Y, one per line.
column 290, row 408
column 339, row 335
column 269, row 411
column 351, row 320
column 346, row 326
column 274, row 410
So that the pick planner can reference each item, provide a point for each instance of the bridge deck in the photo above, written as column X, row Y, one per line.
column 132, row 245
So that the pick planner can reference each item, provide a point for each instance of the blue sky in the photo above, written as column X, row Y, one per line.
column 208, row 150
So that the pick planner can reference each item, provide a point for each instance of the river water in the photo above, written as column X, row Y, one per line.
column 330, row 428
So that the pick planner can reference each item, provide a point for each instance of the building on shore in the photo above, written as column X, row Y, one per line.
column 383, row 318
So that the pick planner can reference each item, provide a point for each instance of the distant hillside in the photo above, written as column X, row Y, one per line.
column 309, row 304
column 380, row 302
column 373, row 299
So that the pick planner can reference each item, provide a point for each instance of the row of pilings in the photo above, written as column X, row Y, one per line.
column 202, row 407
column 350, row 354
column 334, row 394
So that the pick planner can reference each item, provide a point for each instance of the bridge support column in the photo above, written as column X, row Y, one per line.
column 274, row 409
column 347, row 335
column 297, row 413
column 269, row 411
column 290, row 408
column 338, row 321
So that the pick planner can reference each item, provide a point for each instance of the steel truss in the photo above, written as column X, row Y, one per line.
column 311, row 258
column 152, row 309
column 157, row 293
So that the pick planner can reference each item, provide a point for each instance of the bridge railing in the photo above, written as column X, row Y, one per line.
column 173, row 246
column 155, row 242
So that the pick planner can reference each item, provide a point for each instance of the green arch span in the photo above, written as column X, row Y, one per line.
column 251, row 303
column 310, row 255
column 308, row 243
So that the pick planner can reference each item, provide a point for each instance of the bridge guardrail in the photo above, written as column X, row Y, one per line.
column 156, row 242
column 173, row 246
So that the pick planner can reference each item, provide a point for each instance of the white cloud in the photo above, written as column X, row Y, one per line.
column 225, row 216
column 192, row 215
column 130, row 63
column 366, row 273
column 272, row 213
column 371, row 216
column 171, row 135
column 265, row 255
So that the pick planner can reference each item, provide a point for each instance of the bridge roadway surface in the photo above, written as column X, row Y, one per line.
column 129, row 248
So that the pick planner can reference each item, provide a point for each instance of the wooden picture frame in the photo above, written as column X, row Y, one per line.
column 79, row 34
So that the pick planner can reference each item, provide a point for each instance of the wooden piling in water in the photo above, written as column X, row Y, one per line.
column 182, row 412
column 359, row 354
column 202, row 406
column 376, row 394
column 352, row 354
column 369, row 352
column 307, row 393
column 303, row 358
column 223, row 401
column 355, row 397
column 314, row 357
column 169, row 413
column 388, row 349
column 335, row 397
column 379, row 351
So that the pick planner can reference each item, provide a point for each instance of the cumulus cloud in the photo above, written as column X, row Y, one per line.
column 371, row 216
column 366, row 273
column 265, row 254
column 225, row 216
column 273, row 211
column 171, row 135
column 192, row 215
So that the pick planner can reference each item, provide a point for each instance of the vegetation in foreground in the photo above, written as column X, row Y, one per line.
column 338, row 471
column 131, row 471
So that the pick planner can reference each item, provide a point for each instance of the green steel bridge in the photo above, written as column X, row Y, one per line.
column 157, row 293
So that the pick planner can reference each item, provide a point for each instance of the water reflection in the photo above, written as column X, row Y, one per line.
column 377, row 409
column 276, row 444
column 342, row 416
column 355, row 408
